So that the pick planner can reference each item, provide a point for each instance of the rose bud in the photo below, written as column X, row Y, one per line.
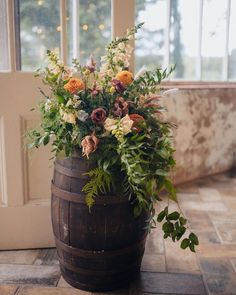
column 89, row 144
column 137, row 119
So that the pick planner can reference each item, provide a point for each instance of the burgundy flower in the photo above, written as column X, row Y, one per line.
column 119, row 86
column 89, row 144
column 121, row 107
column 98, row 115
column 91, row 66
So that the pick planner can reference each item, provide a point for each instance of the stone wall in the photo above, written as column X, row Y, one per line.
column 205, row 139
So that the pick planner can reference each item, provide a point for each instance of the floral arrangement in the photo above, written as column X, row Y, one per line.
column 114, row 119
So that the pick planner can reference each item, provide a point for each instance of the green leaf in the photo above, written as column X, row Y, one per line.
column 46, row 139
column 60, row 99
column 182, row 220
column 194, row 239
column 174, row 216
column 192, row 247
column 161, row 172
column 161, row 216
column 185, row 243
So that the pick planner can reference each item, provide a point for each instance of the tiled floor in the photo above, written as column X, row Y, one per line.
column 210, row 205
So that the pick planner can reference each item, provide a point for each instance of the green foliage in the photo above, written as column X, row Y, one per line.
column 131, row 146
column 100, row 182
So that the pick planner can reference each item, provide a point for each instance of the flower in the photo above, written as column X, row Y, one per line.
column 119, row 128
column 125, row 77
column 126, row 124
column 82, row 115
column 98, row 115
column 137, row 119
column 74, row 85
column 119, row 86
column 68, row 117
column 120, row 107
column 89, row 144
column 110, row 124
column 91, row 66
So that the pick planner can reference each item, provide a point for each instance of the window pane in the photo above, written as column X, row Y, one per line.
column 149, row 46
column 89, row 28
column 39, row 31
column 184, row 37
column 232, row 42
column 4, row 54
column 213, row 39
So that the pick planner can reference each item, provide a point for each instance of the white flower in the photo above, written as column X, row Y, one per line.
column 110, row 124
column 126, row 124
column 82, row 115
column 68, row 117
column 121, row 46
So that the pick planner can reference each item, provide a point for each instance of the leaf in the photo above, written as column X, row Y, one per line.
column 192, row 247
column 46, row 139
column 194, row 239
column 182, row 220
column 185, row 243
column 174, row 216
column 171, row 190
column 60, row 99
column 161, row 172
column 161, row 216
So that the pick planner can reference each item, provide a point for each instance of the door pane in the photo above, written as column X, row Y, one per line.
column 89, row 28
column 213, row 39
column 232, row 42
column 4, row 54
column 39, row 22
column 149, row 46
column 184, row 37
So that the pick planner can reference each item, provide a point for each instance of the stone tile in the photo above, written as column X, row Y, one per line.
column 233, row 262
column 217, row 250
column 51, row 291
column 209, row 195
column 153, row 262
column 116, row 292
column 155, row 243
column 199, row 220
column 220, row 283
column 207, row 237
column 47, row 257
column 29, row 274
column 170, row 283
column 187, row 197
column 179, row 260
column 18, row 256
column 215, row 265
column 8, row 289
column 63, row 284
column 205, row 206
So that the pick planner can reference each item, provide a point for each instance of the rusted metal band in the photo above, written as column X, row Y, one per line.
column 70, row 172
column 101, row 254
column 93, row 272
column 80, row 198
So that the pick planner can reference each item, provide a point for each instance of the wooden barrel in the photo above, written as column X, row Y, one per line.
column 99, row 250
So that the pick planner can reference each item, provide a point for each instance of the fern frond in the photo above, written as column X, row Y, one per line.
column 100, row 182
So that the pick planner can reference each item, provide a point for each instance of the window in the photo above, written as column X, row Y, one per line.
column 4, row 55
column 196, row 35
column 38, row 27
column 89, row 28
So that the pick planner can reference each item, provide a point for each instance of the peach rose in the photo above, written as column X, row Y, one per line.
column 74, row 85
column 125, row 77
column 89, row 144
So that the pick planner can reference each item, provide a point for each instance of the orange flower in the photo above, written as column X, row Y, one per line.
column 137, row 119
column 73, row 85
column 125, row 77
